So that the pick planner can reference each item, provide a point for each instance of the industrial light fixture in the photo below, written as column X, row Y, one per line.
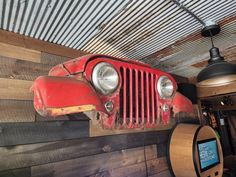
column 218, row 72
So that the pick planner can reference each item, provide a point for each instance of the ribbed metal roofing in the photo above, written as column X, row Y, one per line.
column 122, row 28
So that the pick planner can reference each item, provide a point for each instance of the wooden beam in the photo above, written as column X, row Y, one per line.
column 35, row 44
column 15, row 89
column 22, row 53
column 203, row 92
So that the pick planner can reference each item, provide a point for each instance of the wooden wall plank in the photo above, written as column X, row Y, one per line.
column 16, row 111
column 86, row 166
column 35, row 44
column 51, row 59
column 77, row 116
column 165, row 173
column 36, row 132
column 204, row 92
column 36, row 154
column 15, row 89
column 154, row 166
column 20, row 69
column 162, row 149
column 23, row 172
column 19, row 53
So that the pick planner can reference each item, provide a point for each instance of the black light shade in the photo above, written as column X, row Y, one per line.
column 218, row 71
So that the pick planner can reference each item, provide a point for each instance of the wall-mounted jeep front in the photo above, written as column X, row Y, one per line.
column 124, row 94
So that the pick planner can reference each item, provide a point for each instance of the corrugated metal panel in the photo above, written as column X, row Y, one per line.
column 196, row 51
column 122, row 28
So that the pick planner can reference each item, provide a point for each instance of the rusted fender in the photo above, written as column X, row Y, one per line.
column 181, row 104
column 55, row 96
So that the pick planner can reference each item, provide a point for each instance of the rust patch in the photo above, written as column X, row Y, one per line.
column 69, row 110
column 227, row 20
column 200, row 64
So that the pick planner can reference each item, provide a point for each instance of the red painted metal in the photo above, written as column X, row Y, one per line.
column 181, row 104
column 69, row 89
column 152, row 97
column 147, row 98
column 124, row 98
column 56, row 95
column 142, row 97
column 136, row 98
column 130, row 98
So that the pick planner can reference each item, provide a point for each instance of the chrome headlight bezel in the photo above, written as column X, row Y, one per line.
column 164, row 83
column 98, row 78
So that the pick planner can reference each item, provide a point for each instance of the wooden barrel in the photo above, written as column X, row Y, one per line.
column 184, row 155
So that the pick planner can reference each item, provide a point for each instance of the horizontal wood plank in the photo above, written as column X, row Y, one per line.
column 20, row 69
column 23, row 172
column 39, row 45
column 15, row 89
column 153, row 167
column 17, row 52
column 165, row 173
column 76, row 116
column 16, row 111
column 21, row 156
column 51, row 59
column 24, row 133
column 86, row 166
column 204, row 92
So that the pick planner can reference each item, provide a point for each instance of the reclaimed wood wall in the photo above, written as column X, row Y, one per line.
column 31, row 146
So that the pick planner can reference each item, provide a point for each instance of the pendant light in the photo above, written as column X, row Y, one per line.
column 218, row 72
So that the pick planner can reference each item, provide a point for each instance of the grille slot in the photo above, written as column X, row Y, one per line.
column 138, row 99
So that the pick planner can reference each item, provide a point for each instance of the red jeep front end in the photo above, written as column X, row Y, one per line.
column 124, row 93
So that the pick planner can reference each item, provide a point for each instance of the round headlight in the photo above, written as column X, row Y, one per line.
column 165, row 87
column 105, row 78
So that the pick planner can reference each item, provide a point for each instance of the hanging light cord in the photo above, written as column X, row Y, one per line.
column 211, row 39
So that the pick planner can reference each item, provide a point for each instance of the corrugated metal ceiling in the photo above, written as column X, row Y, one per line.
column 122, row 28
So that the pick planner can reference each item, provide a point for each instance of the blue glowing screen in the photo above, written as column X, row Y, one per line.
column 208, row 154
